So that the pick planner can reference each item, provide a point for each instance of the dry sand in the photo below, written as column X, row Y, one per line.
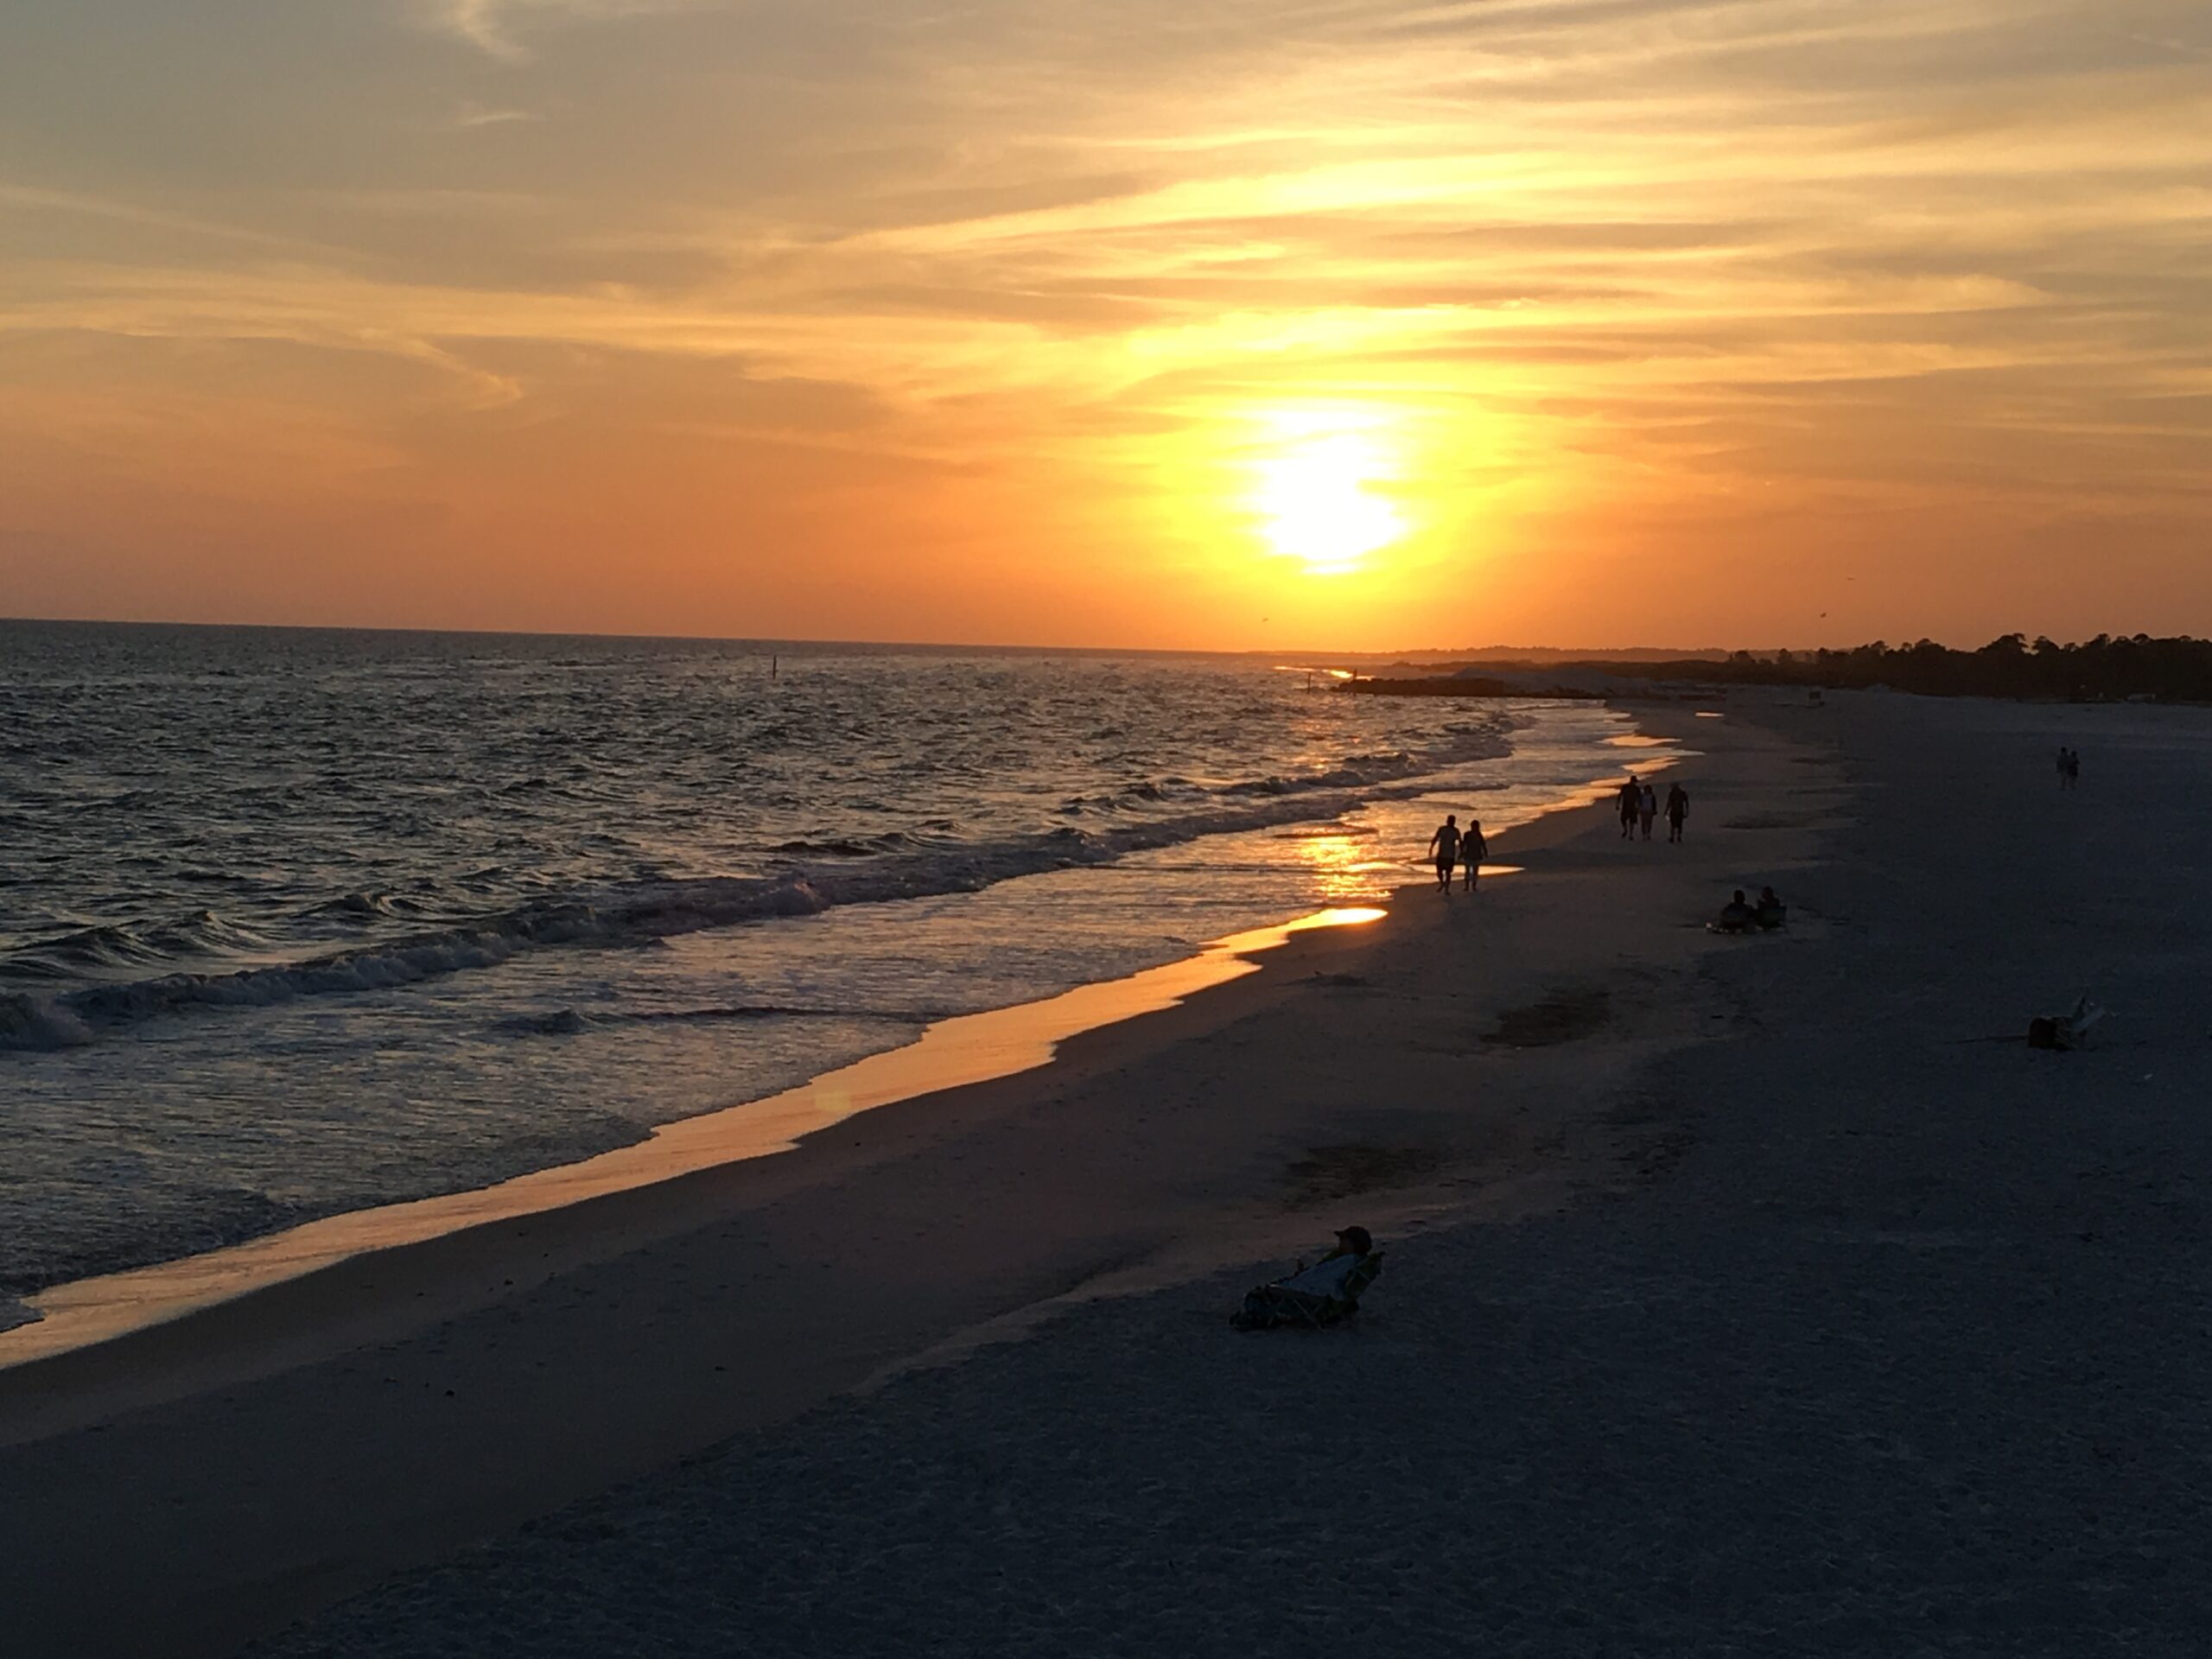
column 1740, row 1296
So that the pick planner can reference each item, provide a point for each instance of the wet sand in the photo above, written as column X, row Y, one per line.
column 1741, row 1296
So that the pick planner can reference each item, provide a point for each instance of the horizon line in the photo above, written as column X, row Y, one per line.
column 1594, row 654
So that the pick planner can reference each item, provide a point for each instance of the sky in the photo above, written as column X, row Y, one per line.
column 1175, row 323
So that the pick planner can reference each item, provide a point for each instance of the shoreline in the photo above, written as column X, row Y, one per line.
column 433, row 1392
column 954, row 1053
column 1891, row 1342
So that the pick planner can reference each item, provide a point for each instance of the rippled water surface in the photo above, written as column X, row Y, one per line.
column 298, row 921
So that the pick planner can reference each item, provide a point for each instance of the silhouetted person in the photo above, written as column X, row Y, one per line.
column 1647, row 808
column 1772, row 912
column 1631, row 803
column 1445, row 843
column 1736, row 915
column 1678, row 808
column 1473, row 849
column 2069, row 771
column 1353, row 1242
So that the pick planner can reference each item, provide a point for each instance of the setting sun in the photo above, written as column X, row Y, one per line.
column 1317, row 499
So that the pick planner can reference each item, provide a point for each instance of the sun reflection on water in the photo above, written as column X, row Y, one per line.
column 1342, row 867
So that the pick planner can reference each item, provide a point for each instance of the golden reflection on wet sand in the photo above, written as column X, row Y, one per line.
column 1344, row 867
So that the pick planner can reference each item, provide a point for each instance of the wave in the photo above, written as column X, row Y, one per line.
column 827, row 874
column 367, row 905
column 571, row 1022
column 1355, row 771
column 113, row 946
column 892, row 842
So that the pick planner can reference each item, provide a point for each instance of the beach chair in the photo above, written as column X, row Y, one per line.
column 1311, row 1300
column 2066, row 1031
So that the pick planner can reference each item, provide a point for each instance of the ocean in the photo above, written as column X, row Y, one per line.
column 295, row 922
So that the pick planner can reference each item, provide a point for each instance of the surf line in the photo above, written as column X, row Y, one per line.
column 966, row 1049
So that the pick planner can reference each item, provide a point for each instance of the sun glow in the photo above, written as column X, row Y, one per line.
column 1316, row 494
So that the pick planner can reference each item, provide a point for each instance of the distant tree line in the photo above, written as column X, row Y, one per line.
column 2105, row 669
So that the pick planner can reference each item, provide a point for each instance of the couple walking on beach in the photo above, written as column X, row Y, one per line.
column 1452, row 845
column 1639, row 804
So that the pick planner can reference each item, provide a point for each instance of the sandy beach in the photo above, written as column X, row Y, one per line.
column 1761, row 1295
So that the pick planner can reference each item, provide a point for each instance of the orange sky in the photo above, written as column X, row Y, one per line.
column 1223, row 325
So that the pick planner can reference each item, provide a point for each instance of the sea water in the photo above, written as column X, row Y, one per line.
column 295, row 922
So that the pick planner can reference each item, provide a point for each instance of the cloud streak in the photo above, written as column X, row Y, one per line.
column 498, row 28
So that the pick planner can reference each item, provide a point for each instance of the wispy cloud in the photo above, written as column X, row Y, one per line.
column 498, row 28
column 472, row 116
column 28, row 200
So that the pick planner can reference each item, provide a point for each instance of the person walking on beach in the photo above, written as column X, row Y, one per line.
column 1473, row 849
column 2070, row 768
column 1678, row 808
column 1631, row 802
column 1445, row 843
column 1647, row 808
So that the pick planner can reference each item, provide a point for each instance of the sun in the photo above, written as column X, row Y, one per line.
column 1316, row 499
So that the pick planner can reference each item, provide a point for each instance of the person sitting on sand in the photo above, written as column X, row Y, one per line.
column 1772, row 912
column 1678, row 808
column 1473, row 849
column 1736, row 915
column 1445, row 843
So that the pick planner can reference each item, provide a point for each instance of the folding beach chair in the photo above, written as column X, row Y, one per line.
column 2066, row 1031
column 1318, row 1297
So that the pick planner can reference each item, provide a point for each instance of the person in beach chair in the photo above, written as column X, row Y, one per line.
column 1736, row 916
column 1313, row 1298
column 1771, row 913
